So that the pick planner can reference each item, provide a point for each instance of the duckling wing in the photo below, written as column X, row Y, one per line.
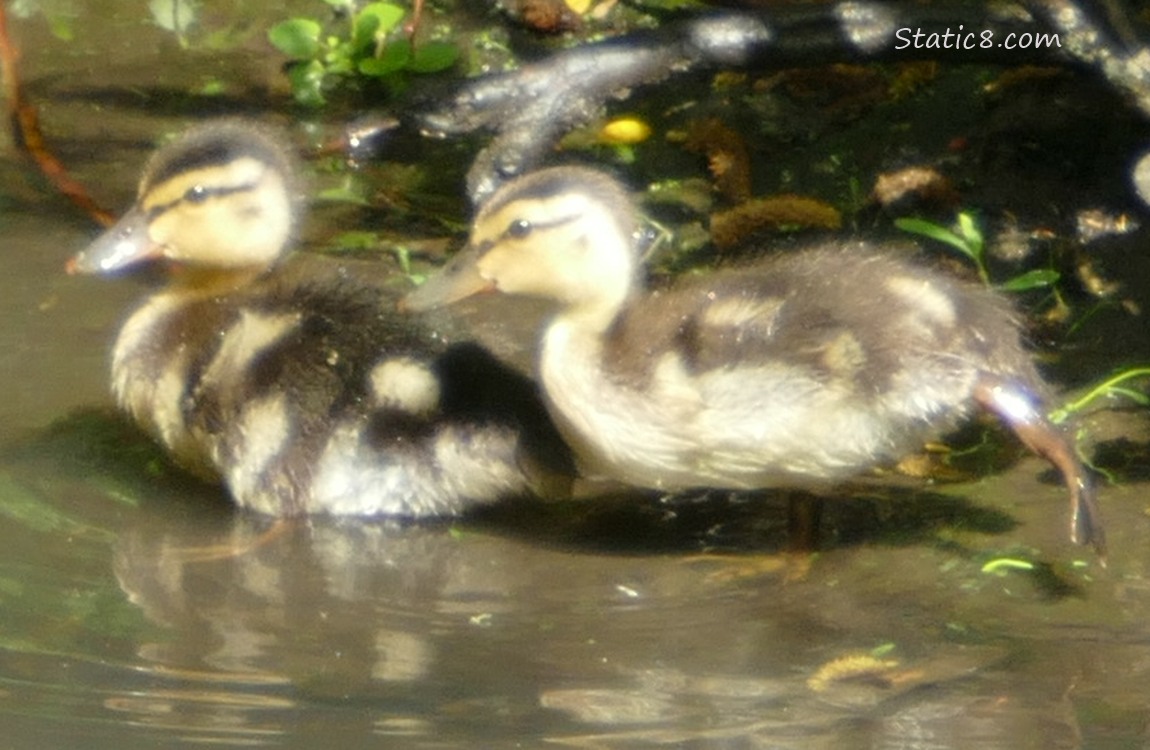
column 868, row 323
column 390, row 418
column 309, row 393
column 820, row 364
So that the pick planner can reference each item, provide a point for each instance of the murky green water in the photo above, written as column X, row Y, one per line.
column 137, row 609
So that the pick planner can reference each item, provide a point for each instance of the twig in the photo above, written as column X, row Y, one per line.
column 1085, row 40
column 25, row 123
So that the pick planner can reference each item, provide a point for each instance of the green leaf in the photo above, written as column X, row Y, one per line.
column 61, row 27
column 298, row 38
column 174, row 15
column 307, row 83
column 882, row 649
column 20, row 505
column 969, row 243
column 385, row 15
column 1000, row 565
column 1136, row 396
column 339, row 58
column 343, row 195
column 372, row 24
column 935, row 232
column 395, row 57
column 357, row 240
column 363, row 35
column 1105, row 388
column 432, row 57
column 971, row 233
column 1039, row 278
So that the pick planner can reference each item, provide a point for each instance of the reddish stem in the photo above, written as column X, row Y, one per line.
column 26, row 132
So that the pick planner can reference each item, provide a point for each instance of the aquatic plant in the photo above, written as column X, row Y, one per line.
column 369, row 44
column 966, row 237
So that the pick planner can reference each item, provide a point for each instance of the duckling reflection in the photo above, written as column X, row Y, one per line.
column 292, row 379
column 441, row 632
column 799, row 371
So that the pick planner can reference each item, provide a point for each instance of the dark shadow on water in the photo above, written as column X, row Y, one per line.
column 100, row 451
column 101, row 448
column 735, row 522
column 153, row 100
column 1051, row 584
column 1125, row 460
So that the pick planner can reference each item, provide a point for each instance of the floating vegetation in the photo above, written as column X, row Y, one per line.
column 911, row 77
column 867, row 668
column 731, row 227
column 919, row 184
column 371, row 45
column 1001, row 565
column 548, row 16
column 727, row 156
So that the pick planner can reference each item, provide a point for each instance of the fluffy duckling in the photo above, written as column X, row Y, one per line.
column 798, row 371
column 296, row 381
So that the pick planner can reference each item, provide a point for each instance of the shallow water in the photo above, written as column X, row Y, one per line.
column 137, row 609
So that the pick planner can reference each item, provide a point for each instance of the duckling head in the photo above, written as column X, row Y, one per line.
column 564, row 234
column 221, row 197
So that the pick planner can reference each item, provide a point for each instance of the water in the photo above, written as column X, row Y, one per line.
column 137, row 609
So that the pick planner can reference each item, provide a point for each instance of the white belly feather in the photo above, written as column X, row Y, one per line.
column 737, row 428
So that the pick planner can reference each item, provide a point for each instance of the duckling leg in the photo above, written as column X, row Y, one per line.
column 804, row 523
column 246, row 544
column 804, row 518
column 1015, row 406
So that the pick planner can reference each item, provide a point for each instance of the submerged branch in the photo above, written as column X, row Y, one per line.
column 24, row 120
column 529, row 108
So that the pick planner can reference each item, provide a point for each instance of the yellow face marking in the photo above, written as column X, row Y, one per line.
column 230, row 176
column 572, row 250
column 540, row 214
column 242, row 219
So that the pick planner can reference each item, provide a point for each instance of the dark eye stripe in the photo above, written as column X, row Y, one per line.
column 520, row 228
column 200, row 194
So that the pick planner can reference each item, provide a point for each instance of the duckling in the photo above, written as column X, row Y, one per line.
column 295, row 379
column 799, row 371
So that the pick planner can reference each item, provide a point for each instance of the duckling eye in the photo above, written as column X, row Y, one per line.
column 196, row 194
column 519, row 229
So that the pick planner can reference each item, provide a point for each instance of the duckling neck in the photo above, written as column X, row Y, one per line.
column 591, row 319
column 212, row 281
column 573, row 344
column 592, row 303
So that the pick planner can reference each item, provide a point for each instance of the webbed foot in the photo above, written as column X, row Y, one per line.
column 1016, row 406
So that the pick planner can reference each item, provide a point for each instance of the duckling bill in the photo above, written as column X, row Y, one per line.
column 798, row 371
column 293, row 379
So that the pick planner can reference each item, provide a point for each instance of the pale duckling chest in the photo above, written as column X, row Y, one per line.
column 774, row 424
